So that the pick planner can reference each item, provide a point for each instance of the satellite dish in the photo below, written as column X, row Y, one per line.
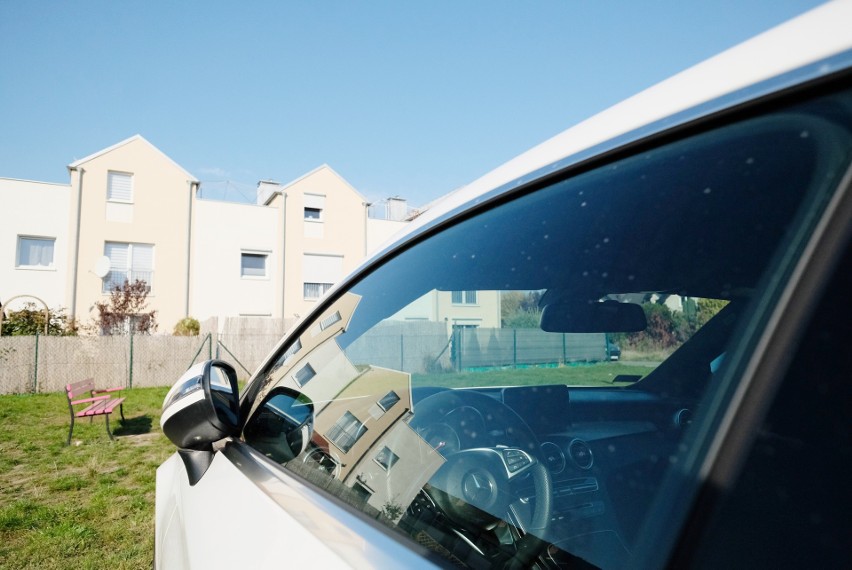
column 102, row 267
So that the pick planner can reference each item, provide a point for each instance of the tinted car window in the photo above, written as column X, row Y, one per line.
column 792, row 499
column 464, row 392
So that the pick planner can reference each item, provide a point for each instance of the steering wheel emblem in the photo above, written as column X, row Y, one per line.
column 477, row 487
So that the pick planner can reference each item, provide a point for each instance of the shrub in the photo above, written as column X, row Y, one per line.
column 30, row 321
column 187, row 326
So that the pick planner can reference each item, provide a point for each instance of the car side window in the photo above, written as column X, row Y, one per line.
column 784, row 510
column 522, row 383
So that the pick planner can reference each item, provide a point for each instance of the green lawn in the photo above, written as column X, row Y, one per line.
column 89, row 505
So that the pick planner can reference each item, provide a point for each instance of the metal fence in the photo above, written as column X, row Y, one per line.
column 424, row 347
column 48, row 363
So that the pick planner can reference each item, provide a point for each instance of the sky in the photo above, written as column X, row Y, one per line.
column 401, row 98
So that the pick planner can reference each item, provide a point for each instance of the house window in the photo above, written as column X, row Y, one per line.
column 316, row 290
column 320, row 273
column 388, row 401
column 346, row 431
column 464, row 297
column 35, row 252
column 314, row 205
column 119, row 187
column 313, row 214
column 128, row 262
column 386, row 458
column 305, row 374
column 253, row 264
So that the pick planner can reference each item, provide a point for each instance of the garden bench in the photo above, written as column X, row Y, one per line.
column 102, row 405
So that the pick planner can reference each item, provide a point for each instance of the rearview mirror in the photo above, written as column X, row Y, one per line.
column 570, row 316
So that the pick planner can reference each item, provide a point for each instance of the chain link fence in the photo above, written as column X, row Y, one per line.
column 47, row 363
column 30, row 364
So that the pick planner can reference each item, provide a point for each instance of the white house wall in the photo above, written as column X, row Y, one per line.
column 33, row 209
column 195, row 245
column 380, row 232
column 222, row 232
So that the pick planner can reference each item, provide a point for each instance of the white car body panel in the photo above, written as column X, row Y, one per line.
column 227, row 521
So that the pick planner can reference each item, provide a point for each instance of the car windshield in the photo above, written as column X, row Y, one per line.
column 530, row 374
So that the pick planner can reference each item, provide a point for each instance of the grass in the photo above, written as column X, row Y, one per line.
column 88, row 505
column 91, row 504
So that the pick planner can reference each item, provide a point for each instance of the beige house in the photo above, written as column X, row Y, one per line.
column 131, row 204
column 130, row 212
column 456, row 309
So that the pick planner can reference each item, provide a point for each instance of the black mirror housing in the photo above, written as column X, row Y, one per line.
column 202, row 407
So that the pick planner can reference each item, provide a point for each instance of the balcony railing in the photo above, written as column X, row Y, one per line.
column 116, row 279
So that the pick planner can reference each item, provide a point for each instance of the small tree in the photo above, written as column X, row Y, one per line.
column 126, row 310
column 187, row 326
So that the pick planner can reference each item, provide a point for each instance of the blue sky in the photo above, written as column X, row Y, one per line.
column 401, row 98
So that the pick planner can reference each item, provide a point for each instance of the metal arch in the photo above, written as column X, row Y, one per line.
column 46, row 311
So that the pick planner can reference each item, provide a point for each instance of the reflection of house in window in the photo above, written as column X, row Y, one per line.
column 386, row 458
column 305, row 374
column 346, row 431
column 389, row 400
column 464, row 297
column 361, row 491
column 330, row 320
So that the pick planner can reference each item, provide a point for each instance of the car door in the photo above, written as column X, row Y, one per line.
column 462, row 405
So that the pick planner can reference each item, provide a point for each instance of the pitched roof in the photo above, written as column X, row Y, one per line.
column 284, row 187
column 77, row 163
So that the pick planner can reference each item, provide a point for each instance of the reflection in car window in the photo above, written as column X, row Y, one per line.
column 442, row 407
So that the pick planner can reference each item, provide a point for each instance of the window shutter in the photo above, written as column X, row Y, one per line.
column 143, row 257
column 120, row 187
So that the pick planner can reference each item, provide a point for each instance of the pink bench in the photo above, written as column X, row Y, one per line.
column 97, row 405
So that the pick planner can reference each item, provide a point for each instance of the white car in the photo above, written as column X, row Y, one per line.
column 452, row 403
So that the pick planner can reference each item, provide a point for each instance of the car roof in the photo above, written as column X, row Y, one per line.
column 814, row 37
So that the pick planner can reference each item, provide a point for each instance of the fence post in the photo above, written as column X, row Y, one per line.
column 35, row 367
column 564, row 350
column 131, row 358
column 514, row 348
column 461, row 346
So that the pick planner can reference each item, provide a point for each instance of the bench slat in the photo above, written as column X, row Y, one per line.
column 107, row 390
column 85, row 400
column 101, row 407
column 98, row 405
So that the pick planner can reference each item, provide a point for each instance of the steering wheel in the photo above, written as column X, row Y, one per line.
column 474, row 486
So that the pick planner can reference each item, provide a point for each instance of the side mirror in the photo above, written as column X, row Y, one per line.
column 200, row 409
column 282, row 426
column 569, row 316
